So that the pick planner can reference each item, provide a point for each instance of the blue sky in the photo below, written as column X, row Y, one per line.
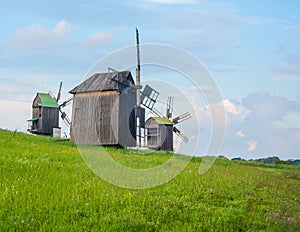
column 251, row 48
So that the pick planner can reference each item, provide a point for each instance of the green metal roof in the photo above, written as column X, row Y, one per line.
column 33, row 119
column 47, row 101
column 164, row 121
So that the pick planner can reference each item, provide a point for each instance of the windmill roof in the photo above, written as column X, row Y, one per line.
column 105, row 81
column 164, row 121
column 47, row 100
column 32, row 119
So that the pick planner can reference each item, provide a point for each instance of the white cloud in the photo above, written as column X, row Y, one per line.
column 231, row 108
column 99, row 38
column 38, row 38
column 271, row 121
column 252, row 145
column 219, row 108
column 291, row 120
column 240, row 134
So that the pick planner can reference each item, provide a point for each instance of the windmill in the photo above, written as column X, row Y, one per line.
column 160, row 127
column 45, row 113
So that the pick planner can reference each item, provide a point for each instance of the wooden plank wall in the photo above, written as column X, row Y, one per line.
column 49, row 120
column 160, row 136
column 95, row 118
column 166, row 137
column 153, row 138
column 107, row 119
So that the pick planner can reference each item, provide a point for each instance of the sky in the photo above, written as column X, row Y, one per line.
column 250, row 48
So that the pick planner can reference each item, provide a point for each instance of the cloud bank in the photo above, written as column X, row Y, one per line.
column 39, row 38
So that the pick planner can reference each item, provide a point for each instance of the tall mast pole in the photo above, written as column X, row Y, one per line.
column 138, row 70
column 138, row 89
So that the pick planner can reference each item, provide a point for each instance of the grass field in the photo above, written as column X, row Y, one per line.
column 46, row 186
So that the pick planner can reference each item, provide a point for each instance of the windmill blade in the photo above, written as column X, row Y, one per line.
column 180, row 134
column 65, row 103
column 169, row 109
column 149, row 97
column 65, row 118
column 182, row 118
column 157, row 113
column 59, row 92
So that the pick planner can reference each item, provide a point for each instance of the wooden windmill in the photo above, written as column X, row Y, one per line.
column 45, row 113
column 107, row 109
column 160, row 128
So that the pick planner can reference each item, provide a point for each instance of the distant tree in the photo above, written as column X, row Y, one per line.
column 294, row 162
column 269, row 160
column 282, row 162
column 238, row 159
column 222, row 157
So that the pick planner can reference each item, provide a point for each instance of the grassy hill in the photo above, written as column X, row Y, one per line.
column 45, row 185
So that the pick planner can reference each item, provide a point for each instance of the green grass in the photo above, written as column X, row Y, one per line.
column 46, row 186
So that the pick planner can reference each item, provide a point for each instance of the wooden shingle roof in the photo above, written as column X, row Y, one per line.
column 99, row 82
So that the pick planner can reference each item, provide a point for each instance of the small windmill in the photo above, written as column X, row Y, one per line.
column 45, row 113
column 160, row 128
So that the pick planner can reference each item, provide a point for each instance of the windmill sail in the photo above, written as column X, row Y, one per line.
column 182, row 118
column 65, row 103
column 169, row 110
column 180, row 134
column 59, row 92
column 65, row 118
column 149, row 97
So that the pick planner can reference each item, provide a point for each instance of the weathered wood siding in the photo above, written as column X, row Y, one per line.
column 36, row 101
column 95, row 118
column 36, row 113
column 48, row 120
column 127, row 127
column 167, row 137
column 159, row 136
column 153, row 134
